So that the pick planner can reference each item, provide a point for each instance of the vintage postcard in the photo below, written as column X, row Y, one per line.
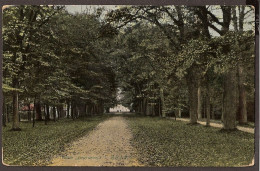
column 129, row 85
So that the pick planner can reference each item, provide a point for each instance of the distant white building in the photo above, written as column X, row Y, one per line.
column 119, row 108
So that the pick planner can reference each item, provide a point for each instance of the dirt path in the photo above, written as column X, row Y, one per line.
column 217, row 125
column 107, row 145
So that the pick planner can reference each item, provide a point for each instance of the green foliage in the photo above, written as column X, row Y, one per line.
column 232, row 48
column 57, row 56
column 167, row 45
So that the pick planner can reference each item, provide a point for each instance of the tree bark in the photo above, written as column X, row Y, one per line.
column 16, row 125
column 38, row 111
column 47, row 112
column 222, row 107
column 19, row 116
column 193, row 95
column 73, row 110
column 85, row 109
column 141, row 105
column 179, row 113
column 107, row 110
column 207, row 107
column 147, row 111
column 82, row 111
column 229, row 95
column 45, row 115
column 242, row 113
column 3, row 112
column 34, row 103
column 59, row 112
column 54, row 113
column 234, row 16
column 7, row 113
column 241, row 17
column 204, row 108
column 193, row 98
column 29, row 112
column 68, row 110
column 229, row 105
column 159, row 108
column 199, row 103
column 144, row 105
column 91, row 110
column 162, row 102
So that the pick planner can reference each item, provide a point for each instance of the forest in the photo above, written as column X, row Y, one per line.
column 194, row 62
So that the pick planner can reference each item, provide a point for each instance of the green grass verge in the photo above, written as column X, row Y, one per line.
column 162, row 142
column 37, row 146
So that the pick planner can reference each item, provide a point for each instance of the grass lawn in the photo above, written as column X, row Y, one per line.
column 36, row 146
column 162, row 142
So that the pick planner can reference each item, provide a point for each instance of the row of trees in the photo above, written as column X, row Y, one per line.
column 177, row 58
column 165, row 58
column 52, row 58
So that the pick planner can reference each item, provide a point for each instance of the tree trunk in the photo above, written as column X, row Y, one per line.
column 241, row 17
column 107, row 110
column 29, row 112
column 144, row 105
column 229, row 103
column 162, row 102
column 153, row 105
column 45, row 115
column 73, row 110
column 7, row 113
column 38, row 111
column 193, row 98
column 59, row 112
column 62, row 113
column 19, row 116
column 207, row 106
column 192, row 81
column 159, row 108
column 147, row 108
column 91, row 110
column 179, row 113
column 88, row 109
column 4, row 113
column 34, row 103
column 68, row 110
column 222, row 107
column 141, row 105
column 101, row 108
column 242, row 113
column 234, row 18
column 85, row 109
column 204, row 108
column 16, row 126
column 199, row 103
column 54, row 113
column 47, row 112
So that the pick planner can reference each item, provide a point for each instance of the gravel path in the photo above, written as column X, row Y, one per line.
column 107, row 145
